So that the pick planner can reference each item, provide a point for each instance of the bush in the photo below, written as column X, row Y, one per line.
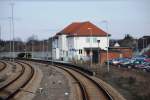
column 21, row 55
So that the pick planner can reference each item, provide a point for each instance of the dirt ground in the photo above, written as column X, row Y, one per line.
column 54, row 85
column 131, row 83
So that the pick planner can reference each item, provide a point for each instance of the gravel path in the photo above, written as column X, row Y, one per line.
column 54, row 85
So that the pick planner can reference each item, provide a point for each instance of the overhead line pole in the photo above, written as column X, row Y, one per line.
column 47, row 48
column 43, row 49
column 10, row 55
column 13, row 31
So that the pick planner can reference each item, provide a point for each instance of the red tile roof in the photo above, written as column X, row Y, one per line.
column 81, row 29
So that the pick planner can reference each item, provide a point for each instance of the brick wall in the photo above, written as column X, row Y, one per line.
column 127, row 52
column 122, row 52
column 111, row 55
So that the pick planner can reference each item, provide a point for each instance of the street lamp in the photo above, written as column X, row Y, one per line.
column 32, row 48
column 91, row 54
column 26, row 50
column 106, row 22
column 98, row 41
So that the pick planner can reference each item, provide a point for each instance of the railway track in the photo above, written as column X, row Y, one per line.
column 12, row 87
column 2, row 66
column 83, row 91
column 89, row 88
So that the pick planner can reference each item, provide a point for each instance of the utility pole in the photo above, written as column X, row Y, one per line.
column 106, row 22
column 108, row 68
column 43, row 49
column 13, row 31
column 32, row 49
column 10, row 32
column 47, row 48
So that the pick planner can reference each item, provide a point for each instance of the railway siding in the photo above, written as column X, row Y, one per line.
column 96, row 85
column 29, row 91
column 2, row 66
column 24, row 75
column 11, row 75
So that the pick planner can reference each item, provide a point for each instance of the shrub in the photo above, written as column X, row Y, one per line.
column 21, row 55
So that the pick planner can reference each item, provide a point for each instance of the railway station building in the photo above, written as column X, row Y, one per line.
column 78, row 41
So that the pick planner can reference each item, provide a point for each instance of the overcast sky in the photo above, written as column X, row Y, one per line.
column 45, row 18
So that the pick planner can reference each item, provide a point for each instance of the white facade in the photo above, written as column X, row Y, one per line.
column 65, row 48
column 60, row 47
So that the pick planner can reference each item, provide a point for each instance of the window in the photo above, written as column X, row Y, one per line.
column 88, row 39
column 94, row 40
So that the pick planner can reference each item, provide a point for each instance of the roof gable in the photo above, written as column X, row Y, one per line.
column 81, row 29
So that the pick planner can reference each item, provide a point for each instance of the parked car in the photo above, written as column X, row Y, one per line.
column 147, row 60
column 140, row 57
column 115, row 61
column 143, row 66
column 119, row 60
column 124, row 62
column 131, row 63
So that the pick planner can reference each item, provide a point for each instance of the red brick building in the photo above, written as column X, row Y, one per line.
column 115, row 52
column 111, row 55
column 126, row 51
